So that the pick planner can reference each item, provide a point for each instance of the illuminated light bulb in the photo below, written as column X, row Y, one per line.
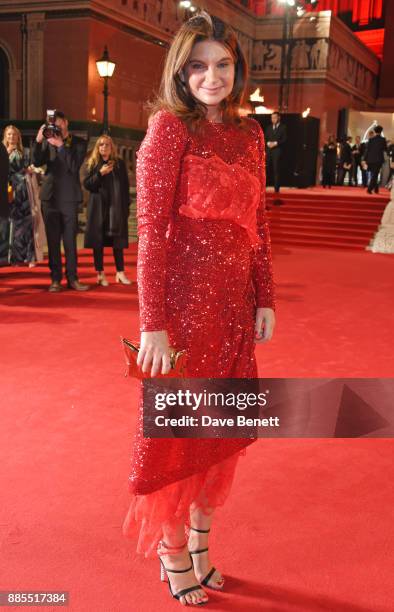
column 255, row 96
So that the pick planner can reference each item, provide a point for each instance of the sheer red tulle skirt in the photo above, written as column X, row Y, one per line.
column 164, row 509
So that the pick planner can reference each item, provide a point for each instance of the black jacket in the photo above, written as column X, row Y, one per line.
column 62, row 183
column 108, row 207
column 357, row 152
column 279, row 135
column 4, row 169
column 375, row 149
column 345, row 156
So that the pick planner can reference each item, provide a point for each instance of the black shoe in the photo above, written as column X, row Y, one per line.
column 55, row 287
column 376, row 190
column 277, row 202
column 165, row 578
column 205, row 581
column 77, row 286
column 369, row 191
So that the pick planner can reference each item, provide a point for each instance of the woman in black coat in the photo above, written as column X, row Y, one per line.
column 108, row 207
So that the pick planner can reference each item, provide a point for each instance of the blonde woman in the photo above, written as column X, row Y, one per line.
column 205, row 286
column 22, row 238
column 108, row 207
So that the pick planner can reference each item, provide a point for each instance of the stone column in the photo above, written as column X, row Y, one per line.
column 35, row 23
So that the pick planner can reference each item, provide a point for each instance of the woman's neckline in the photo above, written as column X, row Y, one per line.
column 215, row 122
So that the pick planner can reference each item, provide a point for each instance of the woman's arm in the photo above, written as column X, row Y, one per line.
column 92, row 181
column 262, row 269
column 158, row 167
column 262, row 273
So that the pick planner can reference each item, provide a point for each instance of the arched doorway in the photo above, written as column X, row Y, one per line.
column 4, row 85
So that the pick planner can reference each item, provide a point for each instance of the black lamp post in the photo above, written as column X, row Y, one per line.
column 105, row 68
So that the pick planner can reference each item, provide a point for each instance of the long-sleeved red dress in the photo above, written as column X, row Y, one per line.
column 204, row 265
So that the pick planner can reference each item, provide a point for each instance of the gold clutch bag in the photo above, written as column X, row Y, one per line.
column 177, row 360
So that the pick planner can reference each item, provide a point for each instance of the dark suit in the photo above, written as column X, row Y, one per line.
column 60, row 195
column 374, row 156
column 345, row 157
column 356, row 154
column 364, row 173
column 277, row 134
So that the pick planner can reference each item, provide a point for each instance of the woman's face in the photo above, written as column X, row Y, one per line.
column 105, row 148
column 209, row 72
column 11, row 137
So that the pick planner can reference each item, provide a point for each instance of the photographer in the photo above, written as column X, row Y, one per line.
column 63, row 154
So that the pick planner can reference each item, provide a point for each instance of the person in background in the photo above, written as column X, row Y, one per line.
column 275, row 137
column 385, row 171
column 363, row 165
column 108, row 207
column 345, row 161
column 356, row 154
column 374, row 157
column 390, row 152
column 329, row 162
column 60, row 195
column 4, row 204
column 22, row 239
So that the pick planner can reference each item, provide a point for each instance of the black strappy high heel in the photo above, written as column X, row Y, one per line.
column 205, row 581
column 165, row 578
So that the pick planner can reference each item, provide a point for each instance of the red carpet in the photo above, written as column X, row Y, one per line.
column 339, row 218
column 308, row 526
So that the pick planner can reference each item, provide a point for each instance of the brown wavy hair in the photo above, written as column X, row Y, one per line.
column 19, row 145
column 174, row 96
column 95, row 156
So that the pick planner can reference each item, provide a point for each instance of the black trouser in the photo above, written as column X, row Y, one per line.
column 342, row 173
column 61, row 222
column 328, row 177
column 273, row 166
column 373, row 181
column 356, row 166
column 98, row 253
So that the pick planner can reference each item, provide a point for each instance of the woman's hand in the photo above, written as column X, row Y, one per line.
column 154, row 352
column 265, row 323
column 107, row 168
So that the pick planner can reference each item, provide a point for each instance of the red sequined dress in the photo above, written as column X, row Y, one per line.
column 204, row 265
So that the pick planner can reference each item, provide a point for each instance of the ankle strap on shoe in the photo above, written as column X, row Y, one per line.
column 165, row 549
column 200, row 530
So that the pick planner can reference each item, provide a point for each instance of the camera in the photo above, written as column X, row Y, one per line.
column 51, row 130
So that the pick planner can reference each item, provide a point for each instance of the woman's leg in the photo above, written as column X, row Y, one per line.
column 119, row 262
column 119, row 259
column 98, row 254
column 198, row 540
column 175, row 556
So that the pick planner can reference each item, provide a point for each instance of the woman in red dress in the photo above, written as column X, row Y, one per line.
column 205, row 286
